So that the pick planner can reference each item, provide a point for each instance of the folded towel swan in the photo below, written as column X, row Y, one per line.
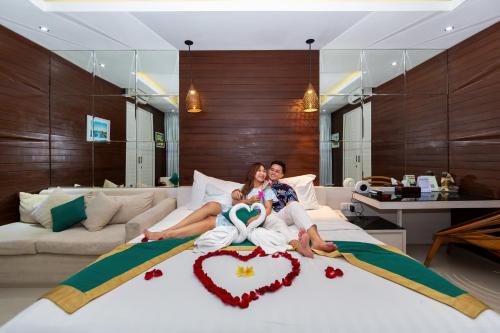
column 239, row 215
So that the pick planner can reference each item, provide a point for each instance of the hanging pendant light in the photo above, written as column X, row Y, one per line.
column 310, row 99
column 193, row 102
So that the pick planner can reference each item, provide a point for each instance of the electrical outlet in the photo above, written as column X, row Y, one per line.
column 352, row 208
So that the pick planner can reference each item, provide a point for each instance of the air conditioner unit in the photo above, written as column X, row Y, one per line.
column 357, row 95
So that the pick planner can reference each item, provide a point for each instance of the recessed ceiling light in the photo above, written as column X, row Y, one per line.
column 449, row 28
column 394, row 63
column 44, row 28
column 102, row 65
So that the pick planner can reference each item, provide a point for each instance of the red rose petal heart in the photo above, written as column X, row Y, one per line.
column 247, row 297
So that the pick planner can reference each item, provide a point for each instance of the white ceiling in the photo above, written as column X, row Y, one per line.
column 228, row 25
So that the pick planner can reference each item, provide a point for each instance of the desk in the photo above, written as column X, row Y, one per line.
column 428, row 201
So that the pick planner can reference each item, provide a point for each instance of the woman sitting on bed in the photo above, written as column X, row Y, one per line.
column 209, row 216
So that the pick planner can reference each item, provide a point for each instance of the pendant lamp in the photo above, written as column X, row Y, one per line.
column 310, row 99
column 193, row 102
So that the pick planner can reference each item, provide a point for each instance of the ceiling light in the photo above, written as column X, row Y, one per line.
column 44, row 28
column 102, row 65
column 394, row 63
column 449, row 28
column 193, row 102
column 310, row 99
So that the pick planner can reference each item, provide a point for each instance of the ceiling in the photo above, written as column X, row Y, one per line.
column 248, row 25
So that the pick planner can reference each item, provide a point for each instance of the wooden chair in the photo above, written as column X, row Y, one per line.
column 382, row 181
column 482, row 231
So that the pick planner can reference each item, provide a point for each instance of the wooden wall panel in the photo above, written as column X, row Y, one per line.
column 251, row 112
column 24, row 121
column 474, row 113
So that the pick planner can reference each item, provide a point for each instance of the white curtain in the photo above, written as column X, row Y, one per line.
column 172, row 128
column 325, row 149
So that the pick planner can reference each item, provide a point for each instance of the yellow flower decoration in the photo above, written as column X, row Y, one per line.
column 244, row 271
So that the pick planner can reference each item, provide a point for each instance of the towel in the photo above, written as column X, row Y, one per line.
column 222, row 236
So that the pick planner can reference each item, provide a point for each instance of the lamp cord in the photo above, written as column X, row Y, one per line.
column 310, row 63
column 190, row 66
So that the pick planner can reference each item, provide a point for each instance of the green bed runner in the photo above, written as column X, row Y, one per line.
column 117, row 268
column 402, row 265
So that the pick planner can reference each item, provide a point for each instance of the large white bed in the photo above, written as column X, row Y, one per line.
column 177, row 302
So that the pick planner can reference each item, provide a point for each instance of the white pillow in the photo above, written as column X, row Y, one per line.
column 200, row 182
column 109, row 184
column 131, row 206
column 42, row 212
column 27, row 204
column 304, row 187
column 213, row 193
column 100, row 210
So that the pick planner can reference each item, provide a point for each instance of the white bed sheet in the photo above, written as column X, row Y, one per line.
column 177, row 302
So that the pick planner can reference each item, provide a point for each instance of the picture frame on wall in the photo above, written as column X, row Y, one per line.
column 98, row 129
column 160, row 140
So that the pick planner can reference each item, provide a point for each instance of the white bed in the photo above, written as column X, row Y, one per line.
column 177, row 302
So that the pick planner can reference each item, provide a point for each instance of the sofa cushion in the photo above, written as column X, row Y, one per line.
column 68, row 214
column 131, row 206
column 42, row 212
column 27, row 204
column 100, row 210
column 78, row 240
column 19, row 238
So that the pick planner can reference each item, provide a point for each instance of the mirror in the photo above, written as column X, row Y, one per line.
column 108, row 117
column 388, row 112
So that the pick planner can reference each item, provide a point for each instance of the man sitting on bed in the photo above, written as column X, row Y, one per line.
column 288, row 211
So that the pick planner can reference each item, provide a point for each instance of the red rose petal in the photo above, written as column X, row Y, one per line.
column 330, row 275
column 243, row 304
column 144, row 240
column 338, row 272
column 157, row 273
column 161, row 238
column 148, row 275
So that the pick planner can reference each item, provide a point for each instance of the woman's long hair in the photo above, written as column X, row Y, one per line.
column 248, row 183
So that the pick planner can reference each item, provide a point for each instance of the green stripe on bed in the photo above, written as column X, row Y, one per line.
column 399, row 264
column 118, row 263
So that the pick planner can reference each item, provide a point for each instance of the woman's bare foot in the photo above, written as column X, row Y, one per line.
column 324, row 246
column 302, row 245
column 154, row 235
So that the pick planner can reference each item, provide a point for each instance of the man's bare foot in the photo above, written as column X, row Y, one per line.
column 302, row 245
column 324, row 246
column 153, row 235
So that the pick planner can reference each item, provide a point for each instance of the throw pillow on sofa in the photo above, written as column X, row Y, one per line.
column 42, row 212
column 27, row 204
column 100, row 210
column 131, row 206
column 68, row 214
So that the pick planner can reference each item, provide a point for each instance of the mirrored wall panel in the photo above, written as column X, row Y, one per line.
column 108, row 118
column 388, row 112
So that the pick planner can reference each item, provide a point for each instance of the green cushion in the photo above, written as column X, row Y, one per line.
column 174, row 179
column 243, row 214
column 68, row 214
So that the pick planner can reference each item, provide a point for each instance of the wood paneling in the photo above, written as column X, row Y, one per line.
column 251, row 112
column 474, row 113
column 457, row 130
column 24, row 121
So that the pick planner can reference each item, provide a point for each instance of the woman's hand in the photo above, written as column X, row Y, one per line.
column 236, row 195
column 254, row 199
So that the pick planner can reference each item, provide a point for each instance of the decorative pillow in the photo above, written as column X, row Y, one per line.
column 174, row 179
column 304, row 186
column 28, row 203
column 109, row 184
column 68, row 214
column 213, row 193
column 200, row 182
column 131, row 206
column 42, row 212
column 100, row 210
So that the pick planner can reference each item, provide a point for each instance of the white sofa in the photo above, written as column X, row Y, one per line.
column 33, row 255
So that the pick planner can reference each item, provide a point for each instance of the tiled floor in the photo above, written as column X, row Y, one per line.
column 479, row 276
